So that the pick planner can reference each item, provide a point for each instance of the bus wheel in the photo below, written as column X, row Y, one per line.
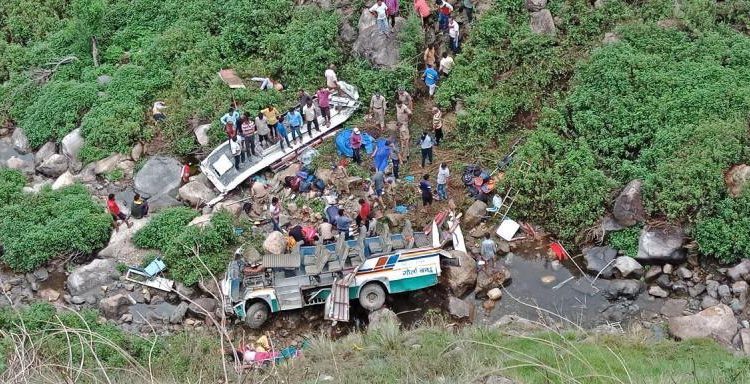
column 256, row 314
column 372, row 296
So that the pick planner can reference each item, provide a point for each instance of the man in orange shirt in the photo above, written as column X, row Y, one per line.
column 423, row 10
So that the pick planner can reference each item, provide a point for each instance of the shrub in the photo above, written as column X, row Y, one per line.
column 625, row 240
column 37, row 228
column 726, row 234
column 164, row 227
column 11, row 184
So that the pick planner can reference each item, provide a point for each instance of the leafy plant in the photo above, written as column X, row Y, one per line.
column 625, row 240
column 726, row 234
column 164, row 227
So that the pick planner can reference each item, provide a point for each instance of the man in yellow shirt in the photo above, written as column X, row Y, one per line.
column 272, row 117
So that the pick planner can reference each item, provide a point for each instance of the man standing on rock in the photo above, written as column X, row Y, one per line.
column 117, row 215
column 487, row 251
column 274, row 211
column 380, row 11
column 364, row 212
column 378, row 104
column 392, row 11
column 468, row 6
column 395, row 158
column 424, row 12
column 259, row 192
column 453, row 32
column 442, row 181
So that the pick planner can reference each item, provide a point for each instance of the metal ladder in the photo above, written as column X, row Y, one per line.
column 512, row 193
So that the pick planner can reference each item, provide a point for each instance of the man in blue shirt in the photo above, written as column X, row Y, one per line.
column 295, row 124
column 231, row 115
column 343, row 222
column 281, row 129
column 431, row 78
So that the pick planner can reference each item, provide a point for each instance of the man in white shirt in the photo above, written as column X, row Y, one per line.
column 446, row 65
column 454, row 34
column 236, row 149
column 331, row 80
column 379, row 10
column 442, row 181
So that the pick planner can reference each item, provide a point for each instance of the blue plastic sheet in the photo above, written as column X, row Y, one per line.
column 382, row 154
column 342, row 142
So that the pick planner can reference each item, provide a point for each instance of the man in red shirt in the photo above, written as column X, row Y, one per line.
column 114, row 210
column 364, row 212
column 185, row 174
column 355, row 141
column 324, row 102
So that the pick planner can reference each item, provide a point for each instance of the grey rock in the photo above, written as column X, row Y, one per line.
column 724, row 292
column 114, row 306
column 474, row 214
column 673, row 307
column 53, row 166
column 488, row 279
column 136, row 152
column 599, row 260
column 462, row 278
column 160, row 179
column 460, row 309
column 745, row 340
column 657, row 291
column 184, row 290
column 628, row 207
column 696, row 290
column 20, row 141
column 663, row 244
column 652, row 273
column 107, row 164
column 739, row 287
column 535, row 5
column 712, row 288
column 71, row 144
column 347, row 33
column 372, row 45
column 22, row 164
column 382, row 318
column 668, row 269
column 679, row 287
column 708, row 302
column 41, row 274
column 717, row 322
column 201, row 134
column 275, row 243
column 629, row 267
column 121, row 247
column 200, row 306
column 622, row 288
column 48, row 149
column 664, row 282
column 684, row 273
column 542, row 23
column 740, row 271
column 196, row 193
column 77, row 300
column 92, row 276
column 178, row 315
column 737, row 305
column 64, row 180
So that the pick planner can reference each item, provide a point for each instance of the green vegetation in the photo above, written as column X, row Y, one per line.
column 189, row 251
column 625, row 240
column 37, row 228
column 726, row 234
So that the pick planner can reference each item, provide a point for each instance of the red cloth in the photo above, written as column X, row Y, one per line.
column 229, row 129
column 559, row 251
column 445, row 10
column 422, row 8
column 186, row 173
column 355, row 141
column 309, row 234
column 364, row 211
column 112, row 207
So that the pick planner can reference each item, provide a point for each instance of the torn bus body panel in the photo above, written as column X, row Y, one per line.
column 218, row 166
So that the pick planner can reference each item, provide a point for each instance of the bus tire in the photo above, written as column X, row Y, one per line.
column 256, row 315
column 372, row 296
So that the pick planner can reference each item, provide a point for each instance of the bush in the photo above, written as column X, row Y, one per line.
column 726, row 234
column 36, row 228
column 11, row 184
column 164, row 227
column 625, row 240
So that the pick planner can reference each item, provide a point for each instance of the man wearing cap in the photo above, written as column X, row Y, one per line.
column 405, row 98
column 378, row 105
column 404, row 137
column 403, row 113
column 355, row 141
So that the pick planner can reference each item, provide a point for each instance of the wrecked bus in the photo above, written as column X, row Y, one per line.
column 366, row 269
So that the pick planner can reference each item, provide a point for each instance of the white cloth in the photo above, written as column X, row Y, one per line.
column 446, row 64
column 331, row 78
column 234, row 146
column 453, row 30
column 309, row 112
column 380, row 10
column 442, row 176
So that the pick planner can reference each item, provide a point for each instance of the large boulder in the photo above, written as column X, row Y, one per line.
column 382, row 318
column 98, row 273
column 114, row 306
column 48, row 149
column 661, row 245
column 490, row 278
column 629, row 267
column 20, row 141
column 461, row 309
column 200, row 306
column 628, row 208
column 535, row 5
column 159, row 179
column 377, row 48
column 64, row 180
column 196, row 193
column 542, row 23
column 136, row 152
column 474, row 214
column 20, row 164
column 72, row 143
column 599, row 260
column 740, row 271
column 178, row 314
column 461, row 278
column 121, row 247
column 629, row 289
column 201, row 134
column 54, row 166
column 717, row 322
column 737, row 178
column 275, row 243
column 107, row 164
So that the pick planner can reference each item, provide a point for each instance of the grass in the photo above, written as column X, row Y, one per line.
column 433, row 352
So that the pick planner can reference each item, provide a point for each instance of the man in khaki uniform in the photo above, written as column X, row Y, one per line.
column 404, row 137
column 259, row 193
column 403, row 113
column 377, row 108
column 405, row 98
column 340, row 180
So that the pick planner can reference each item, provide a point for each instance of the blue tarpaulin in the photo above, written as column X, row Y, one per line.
column 342, row 142
column 382, row 154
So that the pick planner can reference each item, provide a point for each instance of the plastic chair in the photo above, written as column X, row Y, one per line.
column 497, row 203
